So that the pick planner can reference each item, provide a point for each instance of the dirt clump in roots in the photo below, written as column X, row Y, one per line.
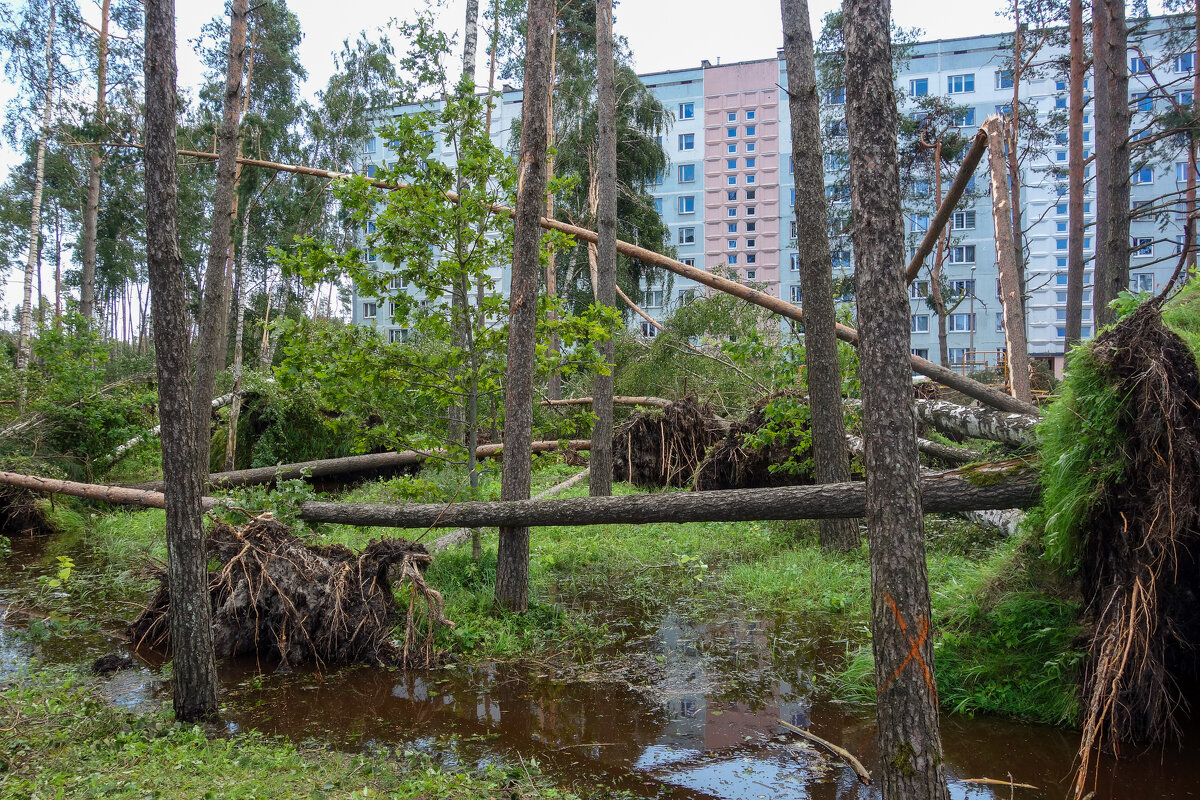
column 21, row 513
column 663, row 447
column 735, row 463
column 1140, row 558
column 276, row 597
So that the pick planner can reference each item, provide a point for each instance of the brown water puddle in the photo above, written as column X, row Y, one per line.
column 678, row 710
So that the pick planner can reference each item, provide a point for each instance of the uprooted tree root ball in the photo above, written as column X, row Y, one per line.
column 276, row 597
column 663, row 448
column 1139, row 555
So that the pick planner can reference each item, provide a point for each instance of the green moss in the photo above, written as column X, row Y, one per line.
column 988, row 475
column 902, row 759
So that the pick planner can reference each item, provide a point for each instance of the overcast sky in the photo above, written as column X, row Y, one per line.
column 663, row 34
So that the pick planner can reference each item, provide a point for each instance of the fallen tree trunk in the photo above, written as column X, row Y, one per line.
column 1005, row 485
column 1016, row 430
column 972, row 388
column 341, row 466
column 659, row 402
column 463, row 535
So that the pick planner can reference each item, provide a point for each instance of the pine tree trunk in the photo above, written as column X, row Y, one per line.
column 239, row 299
column 1007, row 260
column 87, row 285
column 830, row 459
column 194, row 666
column 1012, row 137
column 33, row 263
column 1111, row 106
column 554, row 381
column 601, row 478
column 1075, row 188
column 512, row 561
column 910, row 751
column 214, row 311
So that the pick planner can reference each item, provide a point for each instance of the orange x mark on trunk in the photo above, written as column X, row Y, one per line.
column 914, row 651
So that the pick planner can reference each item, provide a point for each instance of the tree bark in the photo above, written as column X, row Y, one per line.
column 601, row 479
column 33, row 262
column 91, row 215
column 657, row 402
column 998, row 486
column 947, row 205
column 831, row 462
column 1015, row 430
column 910, row 750
column 194, row 665
column 1075, row 188
column 214, row 309
column 1008, row 264
column 512, row 559
column 1111, row 106
column 554, row 381
column 239, row 291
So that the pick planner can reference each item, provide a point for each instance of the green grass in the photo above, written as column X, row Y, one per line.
column 61, row 739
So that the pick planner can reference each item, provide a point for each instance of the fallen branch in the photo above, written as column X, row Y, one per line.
column 994, row 782
column 1005, row 485
column 218, row 402
column 463, row 535
column 341, row 466
column 864, row 777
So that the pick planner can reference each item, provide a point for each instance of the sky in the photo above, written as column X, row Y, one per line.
column 662, row 34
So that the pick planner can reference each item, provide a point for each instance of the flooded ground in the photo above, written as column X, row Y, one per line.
column 678, row 708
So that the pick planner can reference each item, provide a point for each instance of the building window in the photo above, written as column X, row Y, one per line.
column 1060, row 103
column 731, row 195
column 731, row 212
column 918, row 290
column 795, row 294
column 965, row 119
column 687, row 235
column 1139, row 65
column 398, row 282
column 750, row 115
column 751, row 226
column 731, row 180
column 370, row 226
column 919, row 323
column 731, row 244
column 687, row 141
column 920, row 352
column 654, row 298
column 1141, row 282
column 962, row 288
column 1004, row 79
column 795, row 262
column 1181, row 172
column 688, row 262
column 371, row 257
column 1185, row 62
column 960, row 323
column 731, row 116
column 369, row 145
column 919, row 223
column 732, row 259
column 918, row 87
column 649, row 331
column 686, row 296
column 687, row 110
column 687, row 204
column 731, row 163
column 963, row 254
column 731, row 227
column 1184, row 98
column 960, row 84
column 1144, row 175
column 963, row 221
column 687, row 173
column 731, row 149
column 999, row 321
column 750, row 147
column 370, row 310
column 370, row 170
column 750, row 273
column 751, row 130
column 658, row 205
column 398, row 335
column 1143, row 246
column 750, row 193
column 730, row 133
column 958, row 355
column 749, row 211
column 751, row 242
column 836, row 97
column 751, row 163
column 750, row 178
column 1143, row 101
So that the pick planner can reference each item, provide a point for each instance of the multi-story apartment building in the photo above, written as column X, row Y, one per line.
column 728, row 196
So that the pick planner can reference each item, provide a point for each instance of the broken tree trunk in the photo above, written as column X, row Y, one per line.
column 341, row 466
column 1012, row 297
column 1006, row 485
column 659, row 402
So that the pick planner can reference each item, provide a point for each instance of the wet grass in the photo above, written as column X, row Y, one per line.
column 61, row 739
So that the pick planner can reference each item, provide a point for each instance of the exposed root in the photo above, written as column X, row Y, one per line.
column 664, row 448
column 276, row 597
column 1139, row 561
